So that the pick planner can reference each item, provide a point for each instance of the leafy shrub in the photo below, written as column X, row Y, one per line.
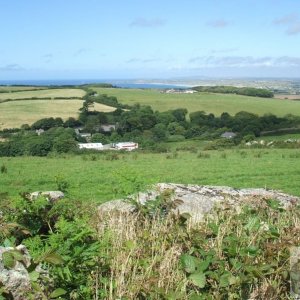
column 61, row 183
column 244, row 255
column 173, row 155
column 203, row 155
column 3, row 169
column 176, row 138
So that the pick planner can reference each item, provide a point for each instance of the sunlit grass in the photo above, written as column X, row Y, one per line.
column 94, row 177
column 208, row 102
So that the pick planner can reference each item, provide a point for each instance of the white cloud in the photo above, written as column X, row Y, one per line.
column 219, row 23
column 287, row 19
column 142, row 22
column 12, row 67
column 226, row 50
column 81, row 51
column 291, row 23
column 244, row 61
column 48, row 57
column 139, row 60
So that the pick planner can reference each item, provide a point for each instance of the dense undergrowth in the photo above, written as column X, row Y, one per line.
column 237, row 253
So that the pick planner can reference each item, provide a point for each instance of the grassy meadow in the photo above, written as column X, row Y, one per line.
column 103, row 176
column 14, row 88
column 16, row 113
column 208, row 102
column 46, row 93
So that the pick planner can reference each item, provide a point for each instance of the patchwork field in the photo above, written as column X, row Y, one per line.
column 16, row 113
column 289, row 97
column 9, row 88
column 102, row 107
column 47, row 93
column 208, row 102
column 95, row 177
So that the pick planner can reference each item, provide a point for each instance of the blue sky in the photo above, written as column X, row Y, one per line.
column 120, row 39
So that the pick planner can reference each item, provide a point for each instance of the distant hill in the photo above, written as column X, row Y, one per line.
column 245, row 91
column 215, row 103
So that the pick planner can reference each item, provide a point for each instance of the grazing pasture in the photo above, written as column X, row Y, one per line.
column 208, row 102
column 103, row 176
column 47, row 93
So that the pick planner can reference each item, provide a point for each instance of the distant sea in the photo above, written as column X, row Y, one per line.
column 119, row 83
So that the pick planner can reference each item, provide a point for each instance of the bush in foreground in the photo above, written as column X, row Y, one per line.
column 236, row 253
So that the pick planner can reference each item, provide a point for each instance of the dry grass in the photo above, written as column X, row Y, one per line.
column 287, row 97
column 102, row 107
column 144, row 257
column 16, row 113
column 48, row 93
column 21, row 88
column 145, row 253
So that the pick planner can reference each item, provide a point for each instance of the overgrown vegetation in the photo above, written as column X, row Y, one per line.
column 239, row 253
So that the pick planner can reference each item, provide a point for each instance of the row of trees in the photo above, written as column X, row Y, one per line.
column 246, row 91
column 58, row 139
column 142, row 120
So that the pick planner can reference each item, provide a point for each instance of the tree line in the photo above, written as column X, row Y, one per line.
column 245, row 91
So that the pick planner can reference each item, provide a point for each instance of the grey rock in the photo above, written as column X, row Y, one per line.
column 120, row 206
column 198, row 200
column 52, row 196
column 16, row 280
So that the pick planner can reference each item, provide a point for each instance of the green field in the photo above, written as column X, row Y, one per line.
column 13, row 88
column 94, row 177
column 47, row 93
column 16, row 113
column 208, row 102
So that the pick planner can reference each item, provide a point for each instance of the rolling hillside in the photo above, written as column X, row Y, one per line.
column 208, row 102
column 47, row 93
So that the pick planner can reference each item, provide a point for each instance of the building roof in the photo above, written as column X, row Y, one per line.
column 228, row 134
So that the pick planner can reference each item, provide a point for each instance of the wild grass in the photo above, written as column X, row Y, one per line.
column 46, row 93
column 144, row 258
column 242, row 252
column 208, row 102
column 99, row 177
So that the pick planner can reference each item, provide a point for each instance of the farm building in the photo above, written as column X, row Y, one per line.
column 39, row 131
column 180, row 91
column 108, row 127
column 129, row 146
column 94, row 146
column 228, row 135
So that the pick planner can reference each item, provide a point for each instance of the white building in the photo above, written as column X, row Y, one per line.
column 94, row 146
column 129, row 146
